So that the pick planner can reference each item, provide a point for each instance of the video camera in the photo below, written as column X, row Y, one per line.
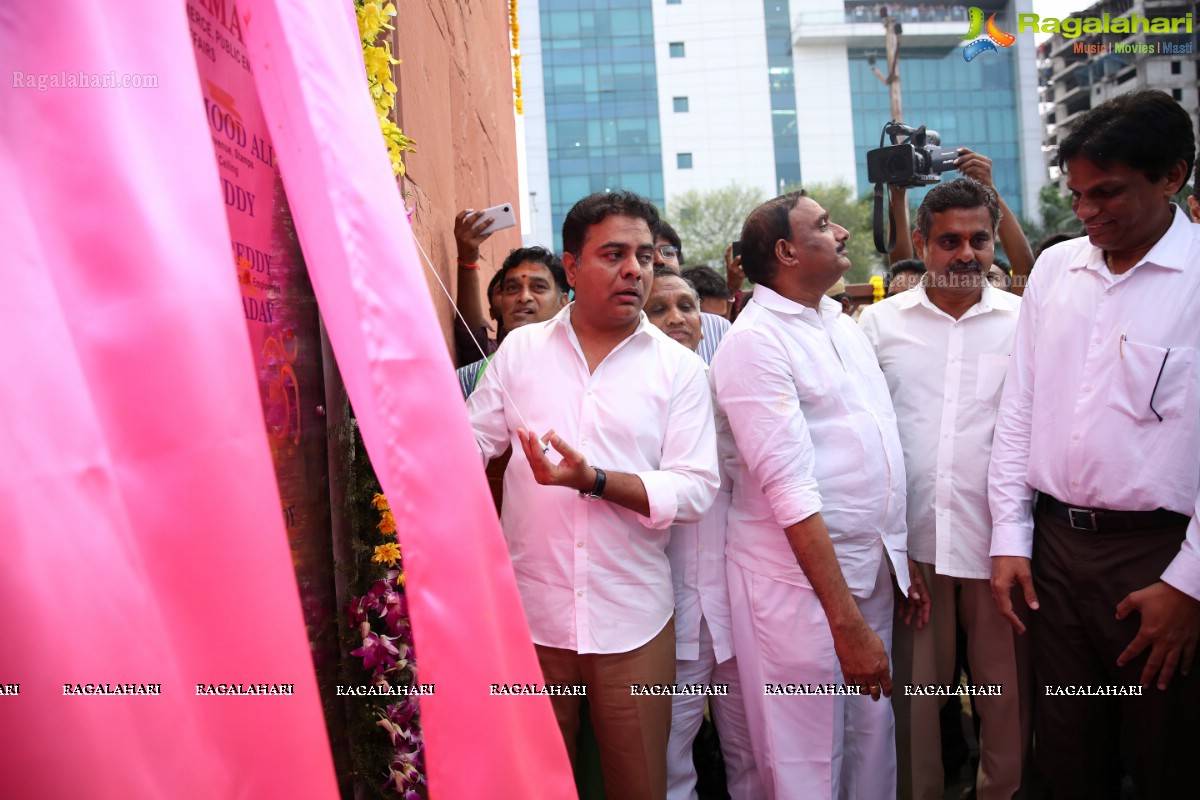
column 918, row 161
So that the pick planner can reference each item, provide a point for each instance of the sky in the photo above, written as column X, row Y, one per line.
column 1057, row 8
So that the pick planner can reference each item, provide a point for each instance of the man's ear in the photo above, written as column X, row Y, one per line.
column 1174, row 177
column 571, row 266
column 784, row 252
column 918, row 244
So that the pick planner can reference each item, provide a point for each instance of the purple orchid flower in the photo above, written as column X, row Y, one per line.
column 377, row 651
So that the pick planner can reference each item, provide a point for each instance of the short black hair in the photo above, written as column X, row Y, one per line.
column 665, row 231
column 708, row 282
column 1053, row 239
column 536, row 255
column 958, row 193
column 765, row 226
column 665, row 272
column 595, row 208
column 1145, row 129
column 913, row 265
column 495, row 281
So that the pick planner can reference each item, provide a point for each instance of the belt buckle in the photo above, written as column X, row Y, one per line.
column 1088, row 519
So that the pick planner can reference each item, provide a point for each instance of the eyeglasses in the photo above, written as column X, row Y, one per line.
column 667, row 251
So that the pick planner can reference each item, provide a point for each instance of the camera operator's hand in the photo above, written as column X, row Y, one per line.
column 1012, row 238
column 898, row 200
column 734, row 276
column 975, row 165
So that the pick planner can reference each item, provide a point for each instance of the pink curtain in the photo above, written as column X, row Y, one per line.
column 370, row 284
column 143, row 539
column 142, row 536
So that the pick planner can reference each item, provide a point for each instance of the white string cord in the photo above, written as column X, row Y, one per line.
column 475, row 341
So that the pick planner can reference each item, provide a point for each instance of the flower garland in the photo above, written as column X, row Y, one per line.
column 389, row 655
column 515, row 30
column 372, row 21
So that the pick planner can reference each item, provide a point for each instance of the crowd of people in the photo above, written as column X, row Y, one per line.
column 791, row 520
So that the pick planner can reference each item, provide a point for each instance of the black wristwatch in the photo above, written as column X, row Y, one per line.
column 597, row 488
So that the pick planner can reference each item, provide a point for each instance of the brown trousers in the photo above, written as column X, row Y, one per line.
column 632, row 731
column 1083, row 742
column 996, row 656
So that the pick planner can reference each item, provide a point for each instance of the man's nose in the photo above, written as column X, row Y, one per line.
column 1084, row 208
column 630, row 266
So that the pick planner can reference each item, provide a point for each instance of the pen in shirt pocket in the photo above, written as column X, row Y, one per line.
column 1121, row 346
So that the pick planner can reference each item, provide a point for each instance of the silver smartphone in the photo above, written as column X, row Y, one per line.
column 502, row 216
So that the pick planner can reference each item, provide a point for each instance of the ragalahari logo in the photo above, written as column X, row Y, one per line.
column 984, row 38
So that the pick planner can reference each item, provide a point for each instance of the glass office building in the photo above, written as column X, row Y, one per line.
column 969, row 105
column 601, row 100
column 667, row 96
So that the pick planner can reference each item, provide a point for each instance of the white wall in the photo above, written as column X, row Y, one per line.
column 536, row 204
column 1029, row 118
column 727, row 128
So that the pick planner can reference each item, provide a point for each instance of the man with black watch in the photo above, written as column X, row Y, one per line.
column 597, row 490
column 588, row 544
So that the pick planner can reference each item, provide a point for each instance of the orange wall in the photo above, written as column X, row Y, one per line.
column 455, row 99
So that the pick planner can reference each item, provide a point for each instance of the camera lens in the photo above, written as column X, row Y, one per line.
column 899, row 164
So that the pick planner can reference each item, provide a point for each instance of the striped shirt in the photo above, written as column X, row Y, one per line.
column 468, row 375
column 713, row 328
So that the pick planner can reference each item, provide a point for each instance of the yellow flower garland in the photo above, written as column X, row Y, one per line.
column 373, row 21
column 515, row 29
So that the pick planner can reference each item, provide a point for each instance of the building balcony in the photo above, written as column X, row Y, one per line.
column 867, row 31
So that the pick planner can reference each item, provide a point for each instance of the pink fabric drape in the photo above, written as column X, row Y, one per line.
column 467, row 617
column 143, row 540
column 142, row 536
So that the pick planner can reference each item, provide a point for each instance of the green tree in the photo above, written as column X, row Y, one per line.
column 707, row 221
column 853, row 214
column 1056, row 216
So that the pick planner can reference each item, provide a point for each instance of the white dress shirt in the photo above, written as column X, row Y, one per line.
column 945, row 375
column 697, row 555
column 814, row 430
column 594, row 576
column 1076, row 420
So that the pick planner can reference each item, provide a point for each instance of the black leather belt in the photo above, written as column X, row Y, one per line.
column 1101, row 520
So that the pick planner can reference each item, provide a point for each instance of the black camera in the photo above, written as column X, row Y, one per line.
column 918, row 161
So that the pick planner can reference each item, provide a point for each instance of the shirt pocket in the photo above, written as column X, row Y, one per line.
column 1152, row 383
column 989, row 381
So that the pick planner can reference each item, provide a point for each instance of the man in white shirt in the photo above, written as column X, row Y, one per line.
column 816, row 516
column 703, row 634
column 1101, row 416
column 944, row 348
column 588, row 543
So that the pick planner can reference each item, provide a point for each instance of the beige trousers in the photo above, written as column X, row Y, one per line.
column 996, row 656
column 632, row 731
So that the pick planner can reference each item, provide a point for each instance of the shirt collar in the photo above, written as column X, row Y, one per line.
column 918, row 296
column 1169, row 252
column 563, row 320
column 773, row 301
